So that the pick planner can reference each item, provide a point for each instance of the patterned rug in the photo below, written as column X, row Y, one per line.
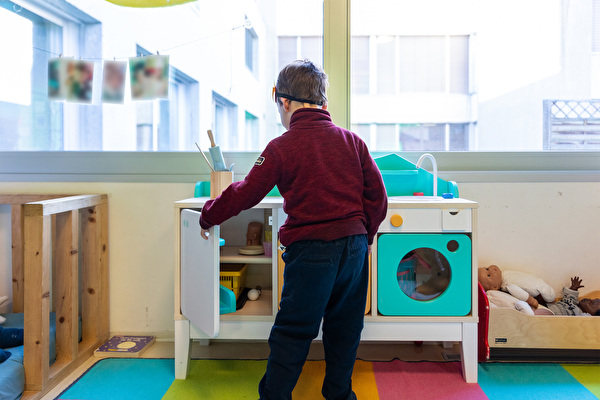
column 148, row 379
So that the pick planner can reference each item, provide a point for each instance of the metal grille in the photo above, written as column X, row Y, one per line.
column 563, row 109
column 571, row 124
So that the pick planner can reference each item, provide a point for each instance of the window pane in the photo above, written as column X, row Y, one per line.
column 422, row 64
column 459, row 137
column 475, row 74
column 386, row 137
column 28, row 121
column 360, row 64
column 223, row 59
column 312, row 48
column 416, row 137
column 459, row 64
column 288, row 50
column 596, row 26
column 386, row 65
column 364, row 131
column 251, row 49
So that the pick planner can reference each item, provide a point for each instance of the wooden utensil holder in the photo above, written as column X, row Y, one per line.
column 219, row 180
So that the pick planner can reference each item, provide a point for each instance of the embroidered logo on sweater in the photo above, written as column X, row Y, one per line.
column 259, row 161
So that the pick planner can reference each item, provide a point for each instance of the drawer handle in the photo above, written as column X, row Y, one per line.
column 396, row 220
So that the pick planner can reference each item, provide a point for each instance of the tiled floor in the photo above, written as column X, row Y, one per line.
column 260, row 350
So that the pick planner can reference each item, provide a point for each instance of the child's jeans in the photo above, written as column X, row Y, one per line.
column 322, row 280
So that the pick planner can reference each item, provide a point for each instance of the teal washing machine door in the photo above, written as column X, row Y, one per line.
column 424, row 274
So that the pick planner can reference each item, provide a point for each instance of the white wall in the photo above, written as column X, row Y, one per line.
column 141, row 249
column 550, row 229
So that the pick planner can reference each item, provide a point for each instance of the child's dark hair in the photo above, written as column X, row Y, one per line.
column 303, row 81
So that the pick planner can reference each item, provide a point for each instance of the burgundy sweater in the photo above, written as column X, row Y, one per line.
column 330, row 184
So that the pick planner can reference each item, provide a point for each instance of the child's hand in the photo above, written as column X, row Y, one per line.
column 576, row 283
column 204, row 234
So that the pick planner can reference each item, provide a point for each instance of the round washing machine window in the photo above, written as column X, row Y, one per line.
column 423, row 274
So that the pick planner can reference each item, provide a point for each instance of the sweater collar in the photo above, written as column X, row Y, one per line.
column 306, row 115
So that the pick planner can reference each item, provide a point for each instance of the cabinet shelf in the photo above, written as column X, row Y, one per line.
column 261, row 307
column 230, row 255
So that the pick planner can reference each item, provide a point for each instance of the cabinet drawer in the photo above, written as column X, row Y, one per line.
column 427, row 220
column 457, row 220
column 412, row 220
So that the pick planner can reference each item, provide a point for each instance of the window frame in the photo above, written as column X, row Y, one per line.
column 178, row 167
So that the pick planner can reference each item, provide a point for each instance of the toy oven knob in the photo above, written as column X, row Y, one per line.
column 396, row 220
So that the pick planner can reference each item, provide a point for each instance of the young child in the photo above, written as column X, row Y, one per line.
column 570, row 303
column 335, row 200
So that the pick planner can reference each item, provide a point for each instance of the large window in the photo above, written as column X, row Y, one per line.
column 439, row 75
column 223, row 59
column 28, row 121
column 467, row 75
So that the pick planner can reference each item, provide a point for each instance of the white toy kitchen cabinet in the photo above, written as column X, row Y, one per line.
column 423, row 277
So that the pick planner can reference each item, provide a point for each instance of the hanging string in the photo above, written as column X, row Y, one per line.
column 204, row 38
column 157, row 52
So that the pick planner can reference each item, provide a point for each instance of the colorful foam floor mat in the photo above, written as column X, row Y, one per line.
column 118, row 378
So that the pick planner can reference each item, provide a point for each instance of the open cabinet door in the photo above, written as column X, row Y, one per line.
column 199, row 274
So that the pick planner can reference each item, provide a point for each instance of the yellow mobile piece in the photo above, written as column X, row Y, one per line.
column 148, row 3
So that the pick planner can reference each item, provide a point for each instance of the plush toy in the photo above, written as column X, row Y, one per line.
column 523, row 286
column 505, row 300
column 3, row 299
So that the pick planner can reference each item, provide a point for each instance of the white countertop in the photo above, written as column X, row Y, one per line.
column 277, row 202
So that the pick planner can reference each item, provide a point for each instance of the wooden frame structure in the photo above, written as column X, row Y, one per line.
column 59, row 262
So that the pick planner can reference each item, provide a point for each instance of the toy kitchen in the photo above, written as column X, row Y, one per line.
column 423, row 279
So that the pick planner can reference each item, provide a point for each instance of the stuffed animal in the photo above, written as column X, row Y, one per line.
column 501, row 299
column 3, row 299
column 523, row 286
column 505, row 300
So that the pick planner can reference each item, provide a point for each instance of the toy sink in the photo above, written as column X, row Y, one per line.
column 402, row 178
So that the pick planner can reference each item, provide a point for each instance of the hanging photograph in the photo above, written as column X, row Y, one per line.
column 113, row 81
column 80, row 76
column 57, row 78
column 149, row 77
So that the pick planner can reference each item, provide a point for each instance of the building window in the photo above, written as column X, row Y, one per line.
column 252, row 132
column 251, row 49
column 27, row 120
column 386, row 137
column 293, row 48
column 415, row 137
column 458, row 64
column 360, row 65
column 225, row 119
column 363, row 131
column 168, row 124
column 386, row 65
column 596, row 26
